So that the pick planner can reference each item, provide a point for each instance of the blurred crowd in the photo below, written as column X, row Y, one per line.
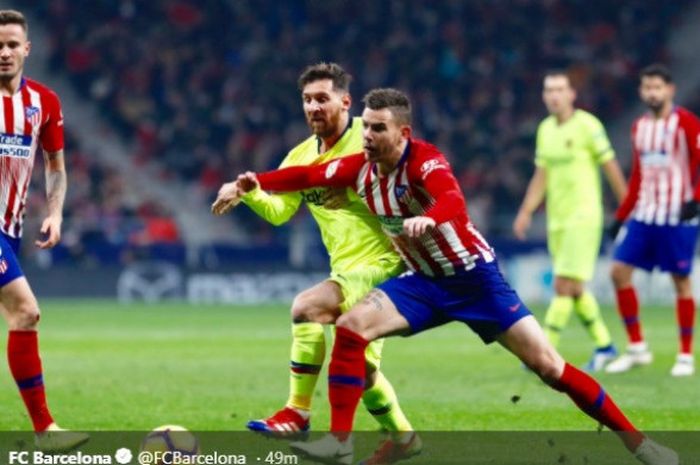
column 207, row 88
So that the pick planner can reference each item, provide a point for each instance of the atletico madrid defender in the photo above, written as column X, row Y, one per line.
column 454, row 275
column 30, row 116
column 661, row 210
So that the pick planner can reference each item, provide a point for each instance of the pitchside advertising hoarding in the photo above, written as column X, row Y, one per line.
column 152, row 281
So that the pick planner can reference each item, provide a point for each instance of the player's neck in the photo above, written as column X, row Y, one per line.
column 9, row 87
column 387, row 166
column 327, row 143
column 565, row 115
column 664, row 112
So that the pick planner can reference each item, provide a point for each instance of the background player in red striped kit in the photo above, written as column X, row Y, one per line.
column 454, row 275
column 661, row 208
column 30, row 116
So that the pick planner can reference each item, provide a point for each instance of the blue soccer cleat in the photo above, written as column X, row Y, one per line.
column 600, row 358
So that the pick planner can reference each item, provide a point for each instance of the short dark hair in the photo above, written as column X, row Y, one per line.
column 333, row 71
column 396, row 101
column 558, row 72
column 13, row 17
column 657, row 70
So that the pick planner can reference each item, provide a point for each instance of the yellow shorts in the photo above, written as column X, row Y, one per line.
column 355, row 285
column 574, row 251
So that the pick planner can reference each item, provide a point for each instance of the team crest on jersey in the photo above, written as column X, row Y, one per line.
column 399, row 191
column 33, row 115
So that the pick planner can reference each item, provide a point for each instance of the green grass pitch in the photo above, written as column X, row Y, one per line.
column 113, row 367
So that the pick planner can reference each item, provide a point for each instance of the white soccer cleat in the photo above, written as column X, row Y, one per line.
column 636, row 355
column 653, row 453
column 58, row 440
column 684, row 366
column 328, row 449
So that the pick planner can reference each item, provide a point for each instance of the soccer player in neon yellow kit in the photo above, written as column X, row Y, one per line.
column 361, row 257
column 571, row 145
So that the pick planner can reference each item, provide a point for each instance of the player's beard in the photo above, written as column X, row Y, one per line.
column 655, row 105
column 327, row 128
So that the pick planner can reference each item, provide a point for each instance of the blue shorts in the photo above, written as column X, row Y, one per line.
column 648, row 246
column 9, row 265
column 480, row 297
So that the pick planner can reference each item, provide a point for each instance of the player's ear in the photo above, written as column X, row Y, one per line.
column 27, row 48
column 347, row 101
column 406, row 131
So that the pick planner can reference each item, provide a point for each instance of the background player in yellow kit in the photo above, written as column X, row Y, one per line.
column 571, row 146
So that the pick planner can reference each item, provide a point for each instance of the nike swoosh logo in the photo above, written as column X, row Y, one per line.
column 514, row 308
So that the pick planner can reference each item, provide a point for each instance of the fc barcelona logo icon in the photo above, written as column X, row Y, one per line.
column 33, row 115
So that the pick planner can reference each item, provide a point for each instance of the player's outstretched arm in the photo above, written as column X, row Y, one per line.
column 341, row 172
column 56, row 186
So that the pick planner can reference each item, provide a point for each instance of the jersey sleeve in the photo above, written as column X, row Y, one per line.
column 599, row 143
column 273, row 208
column 51, row 134
column 692, row 134
column 539, row 159
column 435, row 175
column 341, row 172
column 635, row 182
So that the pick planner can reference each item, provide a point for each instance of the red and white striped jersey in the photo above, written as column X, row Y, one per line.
column 422, row 184
column 665, row 158
column 29, row 118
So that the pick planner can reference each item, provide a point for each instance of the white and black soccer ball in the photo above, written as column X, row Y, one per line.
column 170, row 444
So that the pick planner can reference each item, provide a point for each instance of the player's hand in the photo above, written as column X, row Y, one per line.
column 690, row 210
column 50, row 231
column 418, row 225
column 247, row 181
column 335, row 198
column 614, row 229
column 228, row 197
column 522, row 224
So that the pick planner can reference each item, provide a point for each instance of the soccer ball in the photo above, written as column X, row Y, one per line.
column 168, row 444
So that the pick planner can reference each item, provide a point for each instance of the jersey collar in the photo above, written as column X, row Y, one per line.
column 319, row 142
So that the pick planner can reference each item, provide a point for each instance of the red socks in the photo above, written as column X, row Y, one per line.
column 685, row 311
column 346, row 380
column 25, row 366
column 593, row 400
column 628, row 307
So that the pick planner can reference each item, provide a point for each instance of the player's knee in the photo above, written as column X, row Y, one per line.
column 547, row 365
column 25, row 315
column 351, row 322
column 619, row 275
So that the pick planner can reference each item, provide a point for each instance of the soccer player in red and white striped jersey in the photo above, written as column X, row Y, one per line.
column 30, row 117
column 661, row 210
column 454, row 275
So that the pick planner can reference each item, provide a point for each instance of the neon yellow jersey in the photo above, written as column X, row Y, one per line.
column 351, row 234
column 571, row 154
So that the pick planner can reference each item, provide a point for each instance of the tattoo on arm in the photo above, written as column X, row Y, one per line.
column 56, row 181
column 374, row 298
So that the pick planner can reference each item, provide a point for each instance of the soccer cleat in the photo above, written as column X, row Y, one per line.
column 684, row 366
column 286, row 423
column 600, row 358
column 653, row 453
column 637, row 354
column 58, row 440
column 329, row 449
column 392, row 451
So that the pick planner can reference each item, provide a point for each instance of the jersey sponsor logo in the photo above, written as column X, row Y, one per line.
column 332, row 168
column 429, row 166
column 15, row 146
column 33, row 115
column 655, row 159
column 392, row 225
column 315, row 197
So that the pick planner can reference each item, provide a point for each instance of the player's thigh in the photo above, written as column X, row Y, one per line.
column 576, row 252
column 526, row 340
column 375, row 316
column 355, row 284
column 675, row 248
column 20, row 307
column 635, row 245
column 320, row 303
